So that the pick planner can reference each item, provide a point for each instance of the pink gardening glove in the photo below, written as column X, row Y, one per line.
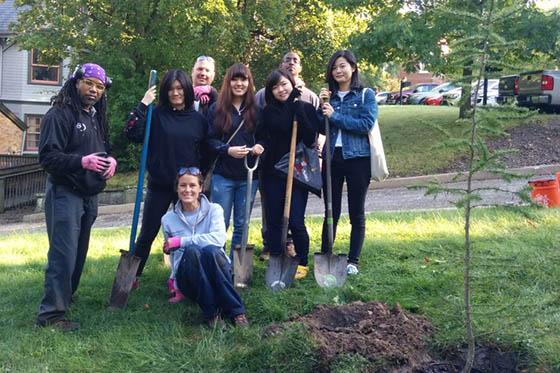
column 202, row 92
column 112, row 168
column 95, row 163
column 171, row 244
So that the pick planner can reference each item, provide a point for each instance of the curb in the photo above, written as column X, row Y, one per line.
column 399, row 182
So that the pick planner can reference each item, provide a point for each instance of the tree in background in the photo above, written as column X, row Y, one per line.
column 131, row 37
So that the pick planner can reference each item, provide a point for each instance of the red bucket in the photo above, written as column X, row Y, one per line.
column 545, row 192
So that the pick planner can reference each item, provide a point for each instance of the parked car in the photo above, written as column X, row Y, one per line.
column 508, row 89
column 421, row 87
column 540, row 89
column 418, row 98
column 435, row 100
column 381, row 97
column 452, row 97
column 491, row 93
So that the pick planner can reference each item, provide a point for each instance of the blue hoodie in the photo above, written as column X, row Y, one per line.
column 209, row 229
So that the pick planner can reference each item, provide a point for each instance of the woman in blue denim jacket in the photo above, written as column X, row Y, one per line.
column 352, row 111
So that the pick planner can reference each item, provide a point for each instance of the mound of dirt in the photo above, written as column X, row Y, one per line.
column 391, row 337
column 536, row 144
column 393, row 340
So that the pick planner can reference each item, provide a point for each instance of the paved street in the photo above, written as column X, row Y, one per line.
column 387, row 199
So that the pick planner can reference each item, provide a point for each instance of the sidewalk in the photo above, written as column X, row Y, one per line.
column 391, row 195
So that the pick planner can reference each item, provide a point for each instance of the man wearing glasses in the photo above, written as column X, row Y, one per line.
column 73, row 149
column 203, row 73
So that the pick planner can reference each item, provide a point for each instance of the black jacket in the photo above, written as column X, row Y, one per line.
column 176, row 140
column 65, row 138
column 277, row 122
column 227, row 166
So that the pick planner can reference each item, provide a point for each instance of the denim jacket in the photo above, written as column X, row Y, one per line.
column 355, row 120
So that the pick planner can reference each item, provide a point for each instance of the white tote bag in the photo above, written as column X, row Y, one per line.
column 379, row 169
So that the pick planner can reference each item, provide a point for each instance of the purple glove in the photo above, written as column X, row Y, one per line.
column 111, row 169
column 95, row 163
column 171, row 244
column 202, row 92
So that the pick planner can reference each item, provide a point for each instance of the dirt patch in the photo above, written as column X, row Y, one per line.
column 391, row 339
column 536, row 144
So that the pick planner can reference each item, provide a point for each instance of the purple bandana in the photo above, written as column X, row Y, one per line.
column 92, row 70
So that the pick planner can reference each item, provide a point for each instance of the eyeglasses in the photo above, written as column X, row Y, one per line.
column 205, row 58
column 194, row 171
column 90, row 83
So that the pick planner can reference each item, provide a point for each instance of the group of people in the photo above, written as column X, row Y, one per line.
column 192, row 124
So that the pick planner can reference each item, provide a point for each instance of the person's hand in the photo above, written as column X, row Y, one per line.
column 325, row 95
column 257, row 149
column 238, row 151
column 171, row 244
column 202, row 93
column 96, row 163
column 149, row 96
column 111, row 169
column 327, row 109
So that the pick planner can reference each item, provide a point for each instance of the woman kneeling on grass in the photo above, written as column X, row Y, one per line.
column 195, row 234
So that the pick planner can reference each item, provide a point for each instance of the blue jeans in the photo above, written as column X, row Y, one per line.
column 231, row 194
column 204, row 275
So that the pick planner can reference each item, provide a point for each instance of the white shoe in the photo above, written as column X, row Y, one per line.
column 352, row 269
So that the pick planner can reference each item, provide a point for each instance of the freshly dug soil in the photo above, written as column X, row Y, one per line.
column 391, row 339
column 536, row 144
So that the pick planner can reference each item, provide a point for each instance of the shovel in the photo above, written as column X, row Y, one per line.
column 243, row 255
column 329, row 269
column 282, row 268
column 128, row 263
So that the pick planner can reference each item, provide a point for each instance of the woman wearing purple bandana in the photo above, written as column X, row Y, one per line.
column 74, row 150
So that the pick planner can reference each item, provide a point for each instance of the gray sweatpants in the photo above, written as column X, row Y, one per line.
column 69, row 218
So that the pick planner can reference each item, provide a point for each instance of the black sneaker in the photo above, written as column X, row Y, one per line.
column 215, row 322
column 62, row 325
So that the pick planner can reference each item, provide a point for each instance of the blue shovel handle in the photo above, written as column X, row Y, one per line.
column 143, row 161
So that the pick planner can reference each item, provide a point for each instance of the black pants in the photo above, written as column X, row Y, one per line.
column 155, row 206
column 69, row 219
column 275, row 195
column 357, row 173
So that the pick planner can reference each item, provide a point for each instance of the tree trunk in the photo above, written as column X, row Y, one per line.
column 466, row 94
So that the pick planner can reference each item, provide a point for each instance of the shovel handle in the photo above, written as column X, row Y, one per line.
column 328, row 186
column 248, row 198
column 289, row 184
column 143, row 161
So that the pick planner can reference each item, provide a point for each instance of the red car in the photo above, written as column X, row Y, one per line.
column 436, row 101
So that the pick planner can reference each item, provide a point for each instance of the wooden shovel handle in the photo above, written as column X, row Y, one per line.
column 289, row 184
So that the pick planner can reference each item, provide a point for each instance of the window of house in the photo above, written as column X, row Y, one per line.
column 32, row 134
column 41, row 73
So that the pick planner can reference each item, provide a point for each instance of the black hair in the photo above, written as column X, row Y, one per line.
column 68, row 95
column 273, row 79
column 348, row 56
column 165, row 86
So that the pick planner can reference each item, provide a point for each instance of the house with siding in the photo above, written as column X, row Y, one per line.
column 26, row 86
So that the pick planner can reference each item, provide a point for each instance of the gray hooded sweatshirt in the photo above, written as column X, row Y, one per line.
column 203, row 227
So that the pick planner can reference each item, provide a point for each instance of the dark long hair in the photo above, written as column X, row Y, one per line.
column 165, row 86
column 68, row 95
column 225, row 100
column 348, row 56
column 273, row 79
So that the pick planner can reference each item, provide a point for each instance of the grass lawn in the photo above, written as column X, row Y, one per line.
column 414, row 259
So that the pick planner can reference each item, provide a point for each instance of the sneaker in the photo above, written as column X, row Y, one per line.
column 62, row 325
column 135, row 284
column 290, row 248
column 215, row 322
column 352, row 269
column 176, row 297
column 241, row 321
column 301, row 272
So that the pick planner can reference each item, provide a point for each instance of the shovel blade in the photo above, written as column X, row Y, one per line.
column 125, row 276
column 280, row 271
column 242, row 267
column 330, row 270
